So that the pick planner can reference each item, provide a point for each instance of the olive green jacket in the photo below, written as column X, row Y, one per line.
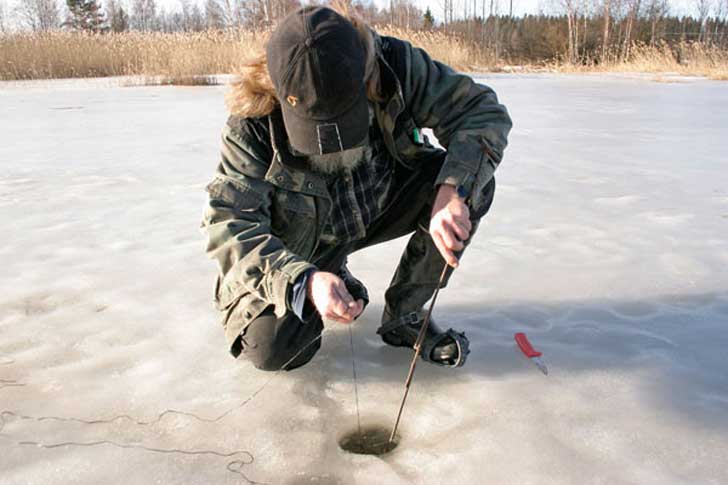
column 266, row 210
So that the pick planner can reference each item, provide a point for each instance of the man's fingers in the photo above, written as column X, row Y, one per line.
column 336, row 318
column 459, row 231
column 461, row 211
column 461, row 215
column 464, row 222
column 344, row 294
column 449, row 238
column 446, row 253
column 358, row 308
column 342, row 308
column 337, row 305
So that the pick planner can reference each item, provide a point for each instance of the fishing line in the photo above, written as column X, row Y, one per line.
column 356, row 388
column 234, row 466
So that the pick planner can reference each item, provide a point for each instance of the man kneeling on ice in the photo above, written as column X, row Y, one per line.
column 323, row 156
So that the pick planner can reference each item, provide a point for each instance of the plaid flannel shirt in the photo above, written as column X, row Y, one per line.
column 357, row 198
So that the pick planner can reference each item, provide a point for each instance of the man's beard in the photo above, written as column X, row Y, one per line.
column 338, row 162
column 343, row 161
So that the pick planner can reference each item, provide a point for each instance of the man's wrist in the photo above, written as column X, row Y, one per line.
column 452, row 191
column 309, row 284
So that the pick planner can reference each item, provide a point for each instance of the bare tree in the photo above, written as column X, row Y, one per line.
column 187, row 18
column 117, row 16
column 605, row 30
column 495, row 16
column 403, row 13
column 367, row 10
column 197, row 19
column 38, row 15
column 184, row 16
column 633, row 10
column 484, row 21
column 144, row 15
column 719, row 14
column 263, row 13
column 234, row 12
column 572, row 21
column 703, row 7
column 257, row 13
column 447, row 13
column 657, row 10
column 723, row 17
column 619, row 13
column 3, row 19
column 586, row 13
column 214, row 15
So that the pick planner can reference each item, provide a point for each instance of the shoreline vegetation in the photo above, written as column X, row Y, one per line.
column 192, row 58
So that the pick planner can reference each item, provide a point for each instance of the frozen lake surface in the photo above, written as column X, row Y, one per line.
column 607, row 243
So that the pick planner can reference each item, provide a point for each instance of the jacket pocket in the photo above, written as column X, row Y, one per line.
column 294, row 220
column 235, row 193
column 244, row 310
column 412, row 145
column 239, row 315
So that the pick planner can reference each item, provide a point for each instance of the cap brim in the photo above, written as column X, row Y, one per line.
column 316, row 137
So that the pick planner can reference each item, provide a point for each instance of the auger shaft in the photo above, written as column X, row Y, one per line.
column 417, row 348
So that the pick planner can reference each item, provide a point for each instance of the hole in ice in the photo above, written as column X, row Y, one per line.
column 370, row 440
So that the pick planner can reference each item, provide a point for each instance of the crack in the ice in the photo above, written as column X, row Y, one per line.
column 234, row 466
column 9, row 382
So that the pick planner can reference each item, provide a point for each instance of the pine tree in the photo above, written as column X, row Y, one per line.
column 85, row 15
column 428, row 21
column 121, row 23
column 117, row 17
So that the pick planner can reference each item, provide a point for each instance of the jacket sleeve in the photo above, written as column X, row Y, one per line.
column 237, row 222
column 465, row 117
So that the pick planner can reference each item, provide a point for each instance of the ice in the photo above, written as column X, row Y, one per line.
column 607, row 244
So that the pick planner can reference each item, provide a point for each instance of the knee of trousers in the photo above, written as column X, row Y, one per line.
column 267, row 348
column 272, row 359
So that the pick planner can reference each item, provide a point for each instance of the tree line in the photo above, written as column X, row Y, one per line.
column 573, row 31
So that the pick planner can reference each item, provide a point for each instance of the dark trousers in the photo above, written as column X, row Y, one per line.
column 270, row 342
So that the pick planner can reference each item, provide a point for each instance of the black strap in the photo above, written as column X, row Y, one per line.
column 406, row 319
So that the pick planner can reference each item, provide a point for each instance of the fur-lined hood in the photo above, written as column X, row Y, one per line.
column 253, row 95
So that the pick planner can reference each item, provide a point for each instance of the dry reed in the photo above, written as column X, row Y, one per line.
column 191, row 58
column 168, row 57
column 447, row 48
column 685, row 58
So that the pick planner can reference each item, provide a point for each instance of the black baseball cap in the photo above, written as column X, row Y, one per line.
column 317, row 62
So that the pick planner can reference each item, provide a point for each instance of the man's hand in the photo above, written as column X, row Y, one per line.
column 331, row 298
column 449, row 223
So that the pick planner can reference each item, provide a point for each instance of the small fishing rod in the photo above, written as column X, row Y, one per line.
column 421, row 336
column 417, row 347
